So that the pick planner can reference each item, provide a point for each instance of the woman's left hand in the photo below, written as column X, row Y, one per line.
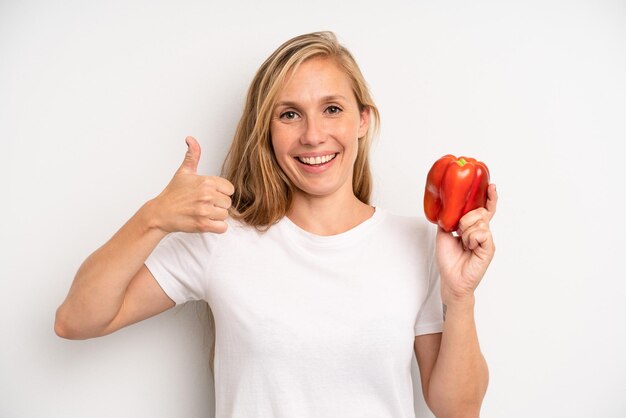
column 463, row 260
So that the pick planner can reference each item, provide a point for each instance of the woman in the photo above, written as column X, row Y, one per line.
column 320, row 300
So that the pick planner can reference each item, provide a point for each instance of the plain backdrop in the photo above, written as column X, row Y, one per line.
column 96, row 99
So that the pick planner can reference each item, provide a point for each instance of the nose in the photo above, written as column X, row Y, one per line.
column 314, row 132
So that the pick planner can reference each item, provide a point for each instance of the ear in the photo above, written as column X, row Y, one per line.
column 364, row 122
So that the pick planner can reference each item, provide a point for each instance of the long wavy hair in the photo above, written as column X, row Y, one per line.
column 263, row 192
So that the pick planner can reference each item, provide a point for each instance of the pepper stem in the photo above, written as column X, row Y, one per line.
column 461, row 162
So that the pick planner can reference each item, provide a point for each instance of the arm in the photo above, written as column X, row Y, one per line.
column 112, row 287
column 101, row 298
column 453, row 370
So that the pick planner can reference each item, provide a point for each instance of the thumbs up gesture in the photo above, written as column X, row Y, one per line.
column 191, row 202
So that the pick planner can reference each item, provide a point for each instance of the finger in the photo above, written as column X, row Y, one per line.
column 192, row 157
column 492, row 200
column 217, row 185
column 212, row 225
column 481, row 240
column 471, row 218
column 476, row 236
column 219, row 200
column 217, row 214
column 224, row 186
column 210, row 211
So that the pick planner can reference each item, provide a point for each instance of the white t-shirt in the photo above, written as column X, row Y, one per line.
column 308, row 325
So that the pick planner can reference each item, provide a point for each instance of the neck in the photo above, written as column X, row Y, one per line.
column 328, row 215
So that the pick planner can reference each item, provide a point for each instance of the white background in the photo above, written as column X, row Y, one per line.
column 96, row 99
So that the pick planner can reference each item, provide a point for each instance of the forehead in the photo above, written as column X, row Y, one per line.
column 318, row 76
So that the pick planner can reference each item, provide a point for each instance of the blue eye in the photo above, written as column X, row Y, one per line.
column 289, row 115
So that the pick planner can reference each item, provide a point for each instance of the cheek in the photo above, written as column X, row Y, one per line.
column 283, row 139
column 280, row 151
column 350, row 139
column 275, row 141
column 350, row 130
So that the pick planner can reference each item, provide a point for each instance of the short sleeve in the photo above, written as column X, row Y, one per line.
column 430, row 316
column 178, row 264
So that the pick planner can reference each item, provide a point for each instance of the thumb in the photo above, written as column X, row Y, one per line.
column 192, row 157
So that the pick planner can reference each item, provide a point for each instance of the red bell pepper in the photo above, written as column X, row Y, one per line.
column 454, row 186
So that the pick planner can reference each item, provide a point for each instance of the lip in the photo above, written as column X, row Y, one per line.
column 315, row 154
column 316, row 169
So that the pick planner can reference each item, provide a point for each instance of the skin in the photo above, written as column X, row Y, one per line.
column 316, row 114
column 113, row 288
column 453, row 370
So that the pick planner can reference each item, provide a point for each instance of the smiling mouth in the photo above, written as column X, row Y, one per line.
column 317, row 160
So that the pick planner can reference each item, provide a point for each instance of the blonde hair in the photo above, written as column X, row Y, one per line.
column 263, row 192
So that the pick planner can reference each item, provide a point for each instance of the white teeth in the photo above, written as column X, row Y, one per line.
column 317, row 160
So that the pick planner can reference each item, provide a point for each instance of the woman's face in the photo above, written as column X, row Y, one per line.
column 315, row 128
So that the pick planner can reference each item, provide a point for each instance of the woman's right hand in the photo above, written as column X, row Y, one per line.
column 113, row 288
column 191, row 202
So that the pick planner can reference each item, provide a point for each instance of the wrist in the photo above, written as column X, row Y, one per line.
column 459, row 303
column 148, row 217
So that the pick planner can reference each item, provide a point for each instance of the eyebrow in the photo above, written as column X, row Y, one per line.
column 330, row 98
